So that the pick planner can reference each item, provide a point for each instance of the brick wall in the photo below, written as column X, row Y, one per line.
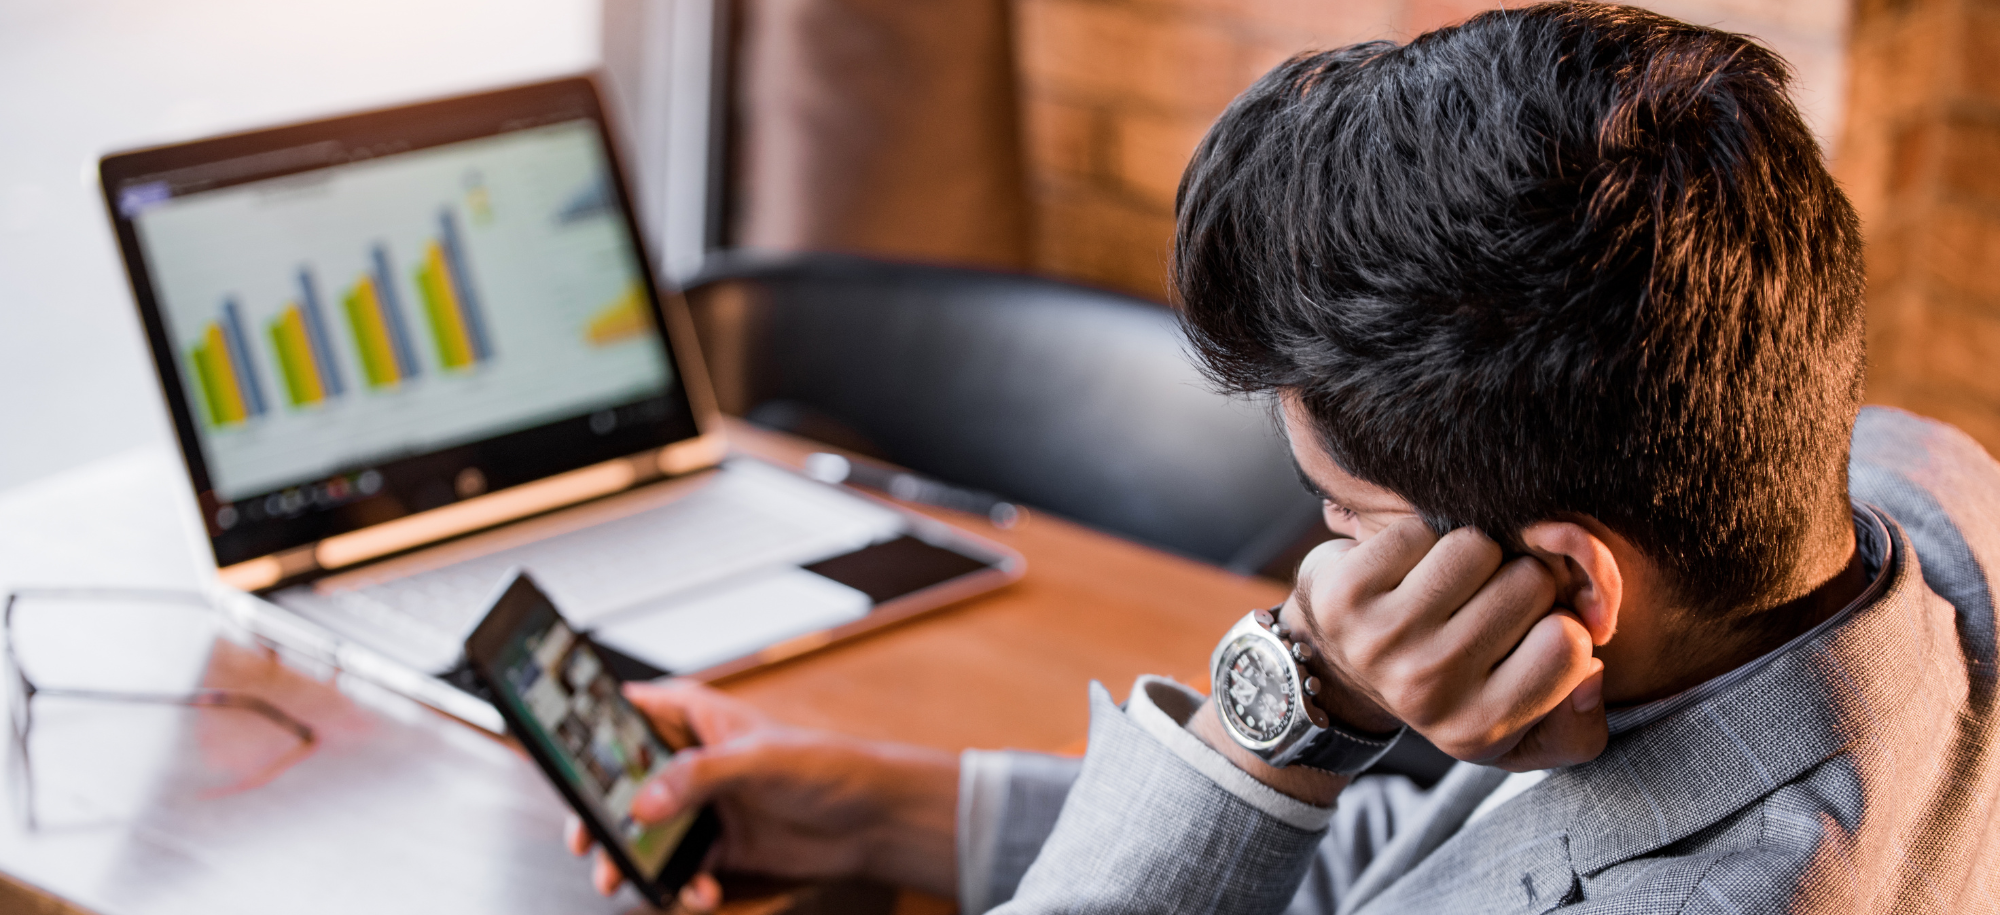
column 1919, row 158
column 1116, row 93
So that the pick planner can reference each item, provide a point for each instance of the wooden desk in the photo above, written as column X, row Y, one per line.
column 400, row 809
column 1009, row 669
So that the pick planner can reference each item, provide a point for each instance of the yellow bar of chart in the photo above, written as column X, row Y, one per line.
column 371, row 333
column 623, row 318
column 446, row 309
column 301, row 369
column 221, row 383
column 444, row 282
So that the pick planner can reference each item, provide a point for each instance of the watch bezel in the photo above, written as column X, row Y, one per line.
column 1251, row 641
column 1297, row 723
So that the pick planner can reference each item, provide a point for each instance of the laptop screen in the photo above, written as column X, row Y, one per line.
column 368, row 317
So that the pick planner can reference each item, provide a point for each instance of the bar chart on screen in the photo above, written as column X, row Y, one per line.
column 457, row 326
column 375, row 314
column 305, row 353
column 382, row 307
column 224, row 371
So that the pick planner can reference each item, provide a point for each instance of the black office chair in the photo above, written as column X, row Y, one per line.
column 1064, row 398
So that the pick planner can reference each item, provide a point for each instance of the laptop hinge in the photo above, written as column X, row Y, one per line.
column 480, row 513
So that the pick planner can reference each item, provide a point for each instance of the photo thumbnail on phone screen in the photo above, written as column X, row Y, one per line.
column 571, row 705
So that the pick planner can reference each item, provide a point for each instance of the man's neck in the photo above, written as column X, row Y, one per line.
column 1670, row 652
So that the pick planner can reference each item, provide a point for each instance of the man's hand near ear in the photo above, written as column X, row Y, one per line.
column 1488, row 657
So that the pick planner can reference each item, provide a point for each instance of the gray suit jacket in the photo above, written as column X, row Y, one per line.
column 1853, row 770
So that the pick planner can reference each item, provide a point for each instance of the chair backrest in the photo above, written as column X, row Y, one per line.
column 1068, row 399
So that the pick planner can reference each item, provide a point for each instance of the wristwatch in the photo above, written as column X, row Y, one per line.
column 1266, row 699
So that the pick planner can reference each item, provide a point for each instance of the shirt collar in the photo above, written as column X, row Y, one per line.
column 1871, row 540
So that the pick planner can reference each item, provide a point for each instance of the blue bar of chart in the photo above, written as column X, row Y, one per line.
column 392, row 316
column 239, row 352
column 461, row 283
column 316, row 335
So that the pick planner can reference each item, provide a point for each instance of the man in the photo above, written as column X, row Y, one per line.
column 1563, row 315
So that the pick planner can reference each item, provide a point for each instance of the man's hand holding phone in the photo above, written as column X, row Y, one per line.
column 1465, row 645
column 795, row 803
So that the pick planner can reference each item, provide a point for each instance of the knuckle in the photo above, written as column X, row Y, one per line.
column 1425, row 714
column 1412, row 529
column 1334, row 594
column 1473, row 741
column 1535, row 575
column 696, row 771
column 1577, row 640
column 1526, row 581
column 1566, row 638
column 1454, row 743
column 1406, row 677
column 1369, row 651
column 1472, row 544
column 1321, row 560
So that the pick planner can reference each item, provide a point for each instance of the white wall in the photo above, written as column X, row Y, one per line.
column 79, row 78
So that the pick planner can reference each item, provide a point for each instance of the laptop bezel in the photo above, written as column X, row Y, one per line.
column 392, row 521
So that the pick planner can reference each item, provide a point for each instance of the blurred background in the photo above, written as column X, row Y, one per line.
column 1032, row 136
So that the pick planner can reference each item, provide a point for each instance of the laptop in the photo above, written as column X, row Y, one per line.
column 411, row 350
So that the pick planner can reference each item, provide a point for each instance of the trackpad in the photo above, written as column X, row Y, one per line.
column 729, row 623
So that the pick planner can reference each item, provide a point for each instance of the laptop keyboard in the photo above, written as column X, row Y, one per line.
column 748, row 517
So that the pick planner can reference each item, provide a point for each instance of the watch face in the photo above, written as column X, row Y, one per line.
column 1256, row 689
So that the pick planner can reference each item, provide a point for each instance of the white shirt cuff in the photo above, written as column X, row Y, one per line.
column 1164, row 708
column 982, row 800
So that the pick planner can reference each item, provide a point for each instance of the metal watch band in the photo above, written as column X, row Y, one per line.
column 1266, row 699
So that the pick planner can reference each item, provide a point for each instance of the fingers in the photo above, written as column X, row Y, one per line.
column 1404, row 579
column 1459, row 566
column 688, row 713
column 669, row 708
column 605, row 876
column 1552, row 661
column 1447, row 635
column 1528, row 688
column 695, row 776
column 575, row 836
column 1377, row 566
column 659, row 800
column 1321, row 559
column 1574, row 732
column 1493, row 621
column 702, row 894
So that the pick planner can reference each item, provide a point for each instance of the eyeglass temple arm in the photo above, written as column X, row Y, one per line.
column 212, row 698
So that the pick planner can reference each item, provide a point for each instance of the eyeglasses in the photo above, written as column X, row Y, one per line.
column 26, row 689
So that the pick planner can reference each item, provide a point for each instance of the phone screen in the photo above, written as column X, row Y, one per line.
column 565, row 700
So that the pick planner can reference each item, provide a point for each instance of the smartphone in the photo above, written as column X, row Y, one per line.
column 565, row 706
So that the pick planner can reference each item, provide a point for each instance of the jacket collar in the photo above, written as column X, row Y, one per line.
column 1712, row 757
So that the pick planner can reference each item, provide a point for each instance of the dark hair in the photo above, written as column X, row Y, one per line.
column 1570, row 258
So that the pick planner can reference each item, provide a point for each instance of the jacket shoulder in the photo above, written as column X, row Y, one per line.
column 1944, row 490
column 1926, row 449
column 1760, row 859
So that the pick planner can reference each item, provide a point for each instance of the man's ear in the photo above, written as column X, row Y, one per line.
column 1588, row 578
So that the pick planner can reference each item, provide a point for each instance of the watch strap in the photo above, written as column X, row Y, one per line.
column 1334, row 749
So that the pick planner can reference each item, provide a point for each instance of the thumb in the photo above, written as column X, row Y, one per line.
column 668, row 708
column 696, row 775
